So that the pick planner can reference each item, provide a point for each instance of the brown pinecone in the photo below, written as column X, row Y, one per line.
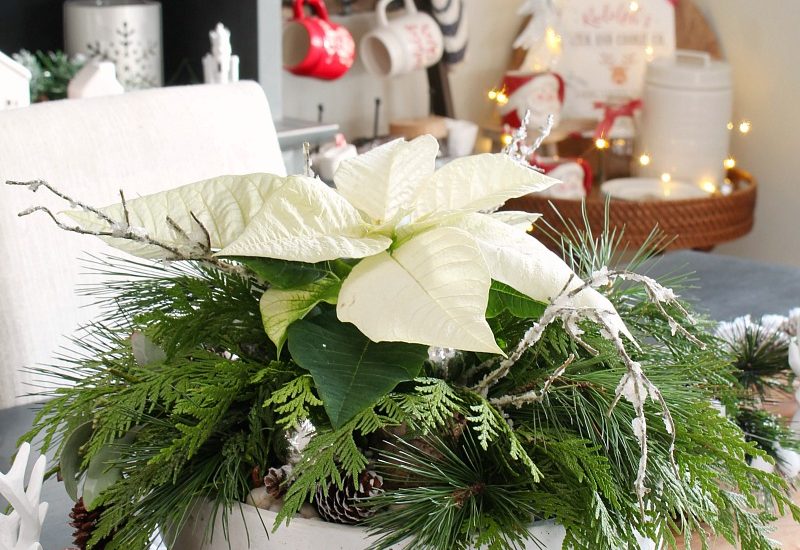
column 276, row 480
column 84, row 523
column 341, row 505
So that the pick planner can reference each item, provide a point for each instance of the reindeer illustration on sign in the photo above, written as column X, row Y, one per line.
column 618, row 67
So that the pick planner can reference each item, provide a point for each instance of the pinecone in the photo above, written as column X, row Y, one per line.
column 275, row 480
column 84, row 523
column 341, row 505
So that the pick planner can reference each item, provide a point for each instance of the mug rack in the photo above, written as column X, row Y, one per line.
column 349, row 7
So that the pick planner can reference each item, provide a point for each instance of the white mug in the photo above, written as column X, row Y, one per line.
column 406, row 43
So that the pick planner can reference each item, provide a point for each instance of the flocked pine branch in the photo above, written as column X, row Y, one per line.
column 198, row 239
column 634, row 386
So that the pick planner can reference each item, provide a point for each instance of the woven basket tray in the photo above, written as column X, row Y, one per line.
column 695, row 223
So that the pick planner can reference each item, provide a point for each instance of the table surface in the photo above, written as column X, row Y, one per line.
column 725, row 288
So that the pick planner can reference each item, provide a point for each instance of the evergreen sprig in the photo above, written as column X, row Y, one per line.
column 459, row 500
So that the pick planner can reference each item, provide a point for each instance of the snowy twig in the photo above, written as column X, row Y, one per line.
column 199, row 250
column 531, row 336
column 634, row 386
column 518, row 149
column 532, row 396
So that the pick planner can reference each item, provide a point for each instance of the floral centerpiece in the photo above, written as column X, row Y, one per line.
column 396, row 353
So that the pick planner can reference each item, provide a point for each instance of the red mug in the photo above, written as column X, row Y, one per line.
column 314, row 46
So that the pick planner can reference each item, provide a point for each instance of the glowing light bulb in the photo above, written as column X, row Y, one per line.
column 492, row 94
column 745, row 126
column 502, row 98
column 708, row 186
column 552, row 39
column 729, row 163
column 644, row 159
column 634, row 6
column 506, row 139
column 666, row 177
column 601, row 143
column 649, row 52
column 730, row 126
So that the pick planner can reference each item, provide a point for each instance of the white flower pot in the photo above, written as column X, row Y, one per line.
column 246, row 530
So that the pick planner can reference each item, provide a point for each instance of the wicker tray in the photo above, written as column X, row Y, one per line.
column 695, row 223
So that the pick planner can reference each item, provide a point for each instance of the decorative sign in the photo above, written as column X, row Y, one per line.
column 606, row 46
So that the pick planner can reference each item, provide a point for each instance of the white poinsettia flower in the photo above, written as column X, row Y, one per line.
column 428, row 253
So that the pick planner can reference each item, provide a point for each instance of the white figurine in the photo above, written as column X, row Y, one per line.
column 15, row 80
column 220, row 66
column 96, row 79
column 21, row 529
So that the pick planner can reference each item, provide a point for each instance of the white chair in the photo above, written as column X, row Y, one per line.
column 141, row 142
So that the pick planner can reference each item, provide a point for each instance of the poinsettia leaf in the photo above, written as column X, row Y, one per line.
column 223, row 205
column 433, row 290
column 479, row 182
column 523, row 263
column 505, row 298
column 386, row 179
column 284, row 273
column 307, row 221
column 71, row 457
column 281, row 308
column 520, row 220
column 350, row 371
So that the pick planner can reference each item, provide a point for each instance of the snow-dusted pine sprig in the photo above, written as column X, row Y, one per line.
column 196, row 241
column 761, row 350
column 634, row 386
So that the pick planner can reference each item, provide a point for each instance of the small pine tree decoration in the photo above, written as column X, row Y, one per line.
column 51, row 73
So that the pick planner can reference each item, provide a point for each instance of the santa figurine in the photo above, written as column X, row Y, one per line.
column 574, row 175
column 540, row 93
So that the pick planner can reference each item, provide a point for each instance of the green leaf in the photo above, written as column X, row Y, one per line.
column 72, row 457
column 281, row 308
column 504, row 298
column 350, row 371
column 284, row 274
column 103, row 472
column 145, row 351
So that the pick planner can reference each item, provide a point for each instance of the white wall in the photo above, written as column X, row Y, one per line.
column 349, row 100
column 760, row 38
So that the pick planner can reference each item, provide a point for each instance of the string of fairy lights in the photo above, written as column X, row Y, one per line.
column 553, row 41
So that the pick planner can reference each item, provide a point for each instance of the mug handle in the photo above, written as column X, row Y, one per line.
column 380, row 10
column 317, row 6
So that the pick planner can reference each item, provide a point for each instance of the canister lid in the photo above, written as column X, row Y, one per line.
column 689, row 69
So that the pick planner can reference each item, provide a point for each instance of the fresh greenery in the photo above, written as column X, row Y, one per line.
column 489, row 381
column 51, row 73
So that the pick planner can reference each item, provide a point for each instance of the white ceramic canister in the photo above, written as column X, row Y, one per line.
column 688, row 103
column 126, row 32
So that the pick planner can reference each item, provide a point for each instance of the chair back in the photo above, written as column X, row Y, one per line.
column 141, row 142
